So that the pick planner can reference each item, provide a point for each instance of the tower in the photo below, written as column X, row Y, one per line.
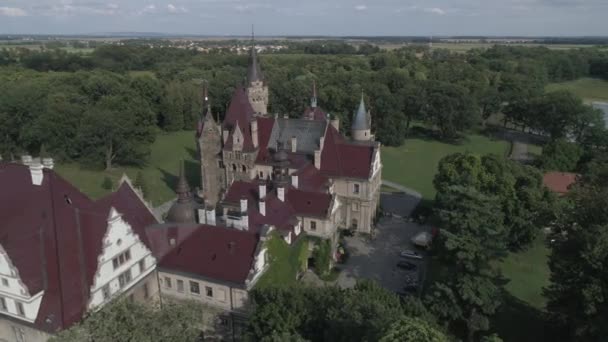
column 182, row 210
column 257, row 91
column 362, row 122
column 210, row 146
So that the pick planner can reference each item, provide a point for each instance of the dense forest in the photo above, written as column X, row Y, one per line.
column 107, row 107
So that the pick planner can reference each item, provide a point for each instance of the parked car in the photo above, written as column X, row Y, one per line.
column 411, row 254
column 406, row 265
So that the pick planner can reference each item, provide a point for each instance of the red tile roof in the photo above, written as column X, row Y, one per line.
column 239, row 113
column 214, row 252
column 264, row 131
column 315, row 113
column 559, row 182
column 311, row 179
column 340, row 158
column 309, row 203
column 48, row 219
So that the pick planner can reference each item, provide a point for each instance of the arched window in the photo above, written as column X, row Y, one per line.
column 244, row 168
column 234, row 167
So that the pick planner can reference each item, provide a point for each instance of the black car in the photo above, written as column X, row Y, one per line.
column 406, row 265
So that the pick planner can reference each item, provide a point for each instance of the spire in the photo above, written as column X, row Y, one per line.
column 313, row 99
column 254, row 73
column 182, row 189
column 361, row 121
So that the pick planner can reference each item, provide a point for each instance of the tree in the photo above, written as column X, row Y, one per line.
column 124, row 320
column 413, row 330
column 450, row 108
column 579, row 257
column 560, row 155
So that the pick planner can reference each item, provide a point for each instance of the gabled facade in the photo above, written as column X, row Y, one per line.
column 58, row 249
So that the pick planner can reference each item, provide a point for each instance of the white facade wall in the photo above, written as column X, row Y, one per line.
column 14, row 291
column 118, row 239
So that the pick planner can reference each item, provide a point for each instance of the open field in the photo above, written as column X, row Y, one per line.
column 414, row 163
column 463, row 47
column 160, row 174
column 590, row 89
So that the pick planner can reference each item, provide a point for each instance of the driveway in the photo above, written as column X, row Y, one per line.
column 377, row 259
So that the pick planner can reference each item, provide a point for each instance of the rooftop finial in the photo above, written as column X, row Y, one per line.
column 313, row 100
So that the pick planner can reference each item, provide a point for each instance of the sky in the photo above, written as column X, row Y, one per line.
column 308, row 17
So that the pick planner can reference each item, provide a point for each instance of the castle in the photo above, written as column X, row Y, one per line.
column 326, row 180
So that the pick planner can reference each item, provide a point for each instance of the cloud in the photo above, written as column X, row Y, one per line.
column 435, row 10
column 176, row 9
column 360, row 7
column 148, row 9
column 12, row 12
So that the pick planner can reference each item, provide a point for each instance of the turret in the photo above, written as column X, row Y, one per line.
column 361, row 127
column 182, row 211
column 257, row 91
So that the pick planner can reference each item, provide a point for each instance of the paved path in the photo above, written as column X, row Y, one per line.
column 399, row 203
column 519, row 152
column 377, row 259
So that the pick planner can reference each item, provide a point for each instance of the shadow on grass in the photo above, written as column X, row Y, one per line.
column 193, row 173
column 518, row 321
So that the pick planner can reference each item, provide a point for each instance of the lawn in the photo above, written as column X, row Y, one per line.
column 528, row 273
column 160, row 174
column 285, row 261
column 590, row 89
column 414, row 163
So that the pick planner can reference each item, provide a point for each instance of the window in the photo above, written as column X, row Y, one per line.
column 355, row 206
column 3, row 304
column 124, row 278
column 20, row 310
column 244, row 168
column 194, row 288
column 220, row 164
column 209, row 291
column 180, row 285
column 19, row 334
column 233, row 167
column 168, row 282
column 261, row 174
column 105, row 291
column 313, row 225
column 142, row 265
column 4, row 282
column 121, row 259
column 356, row 188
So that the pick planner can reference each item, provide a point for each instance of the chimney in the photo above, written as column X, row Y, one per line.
column 26, row 159
column 262, row 190
column 281, row 193
column 48, row 163
column 318, row 160
column 294, row 181
column 254, row 132
column 336, row 123
column 294, row 144
column 263, row 207
column 225, row 135
column 321, row 143
column 36, row 172
column 201, row 216
column 243, row 205
column 210, row 216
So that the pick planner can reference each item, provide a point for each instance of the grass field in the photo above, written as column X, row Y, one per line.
column 528, row 273
column 463, row 47
column 414, row 163
column 589, row 89
column 285, row 261
column 160, row 174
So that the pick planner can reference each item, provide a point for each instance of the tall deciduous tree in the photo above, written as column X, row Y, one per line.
column 579, row 258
